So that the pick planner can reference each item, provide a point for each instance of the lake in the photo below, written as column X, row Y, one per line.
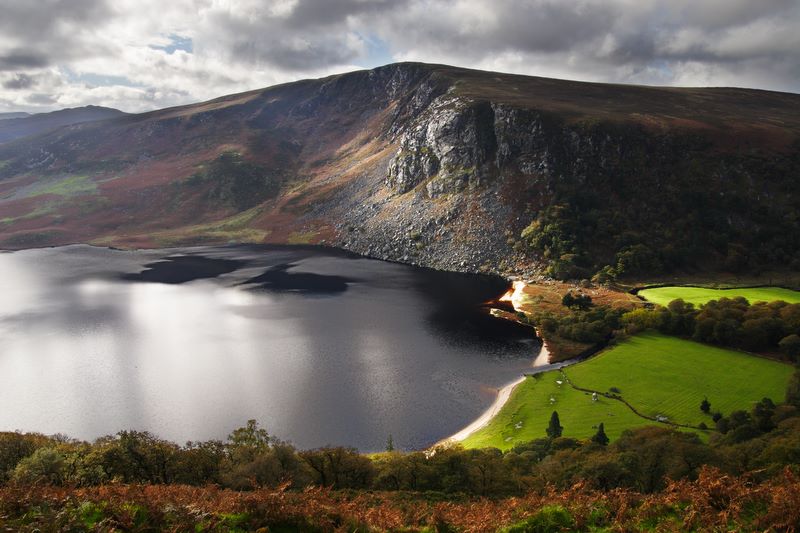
column 320, row 346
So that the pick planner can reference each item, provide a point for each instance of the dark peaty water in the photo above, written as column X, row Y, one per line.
column 321, row 347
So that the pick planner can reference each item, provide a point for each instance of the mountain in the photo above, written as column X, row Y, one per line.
column 6, row 116
column 433, row 165
column 17, row 125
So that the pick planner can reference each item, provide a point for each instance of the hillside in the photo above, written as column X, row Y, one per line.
column 435, row 165
column 18, row 125
column 6, row 116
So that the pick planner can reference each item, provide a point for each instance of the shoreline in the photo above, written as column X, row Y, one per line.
column 542, row 359
column 503, row 394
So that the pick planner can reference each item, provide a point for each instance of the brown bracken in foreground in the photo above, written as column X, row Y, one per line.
column 714, row 502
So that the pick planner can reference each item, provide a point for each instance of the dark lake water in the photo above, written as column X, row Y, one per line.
column 321, row 347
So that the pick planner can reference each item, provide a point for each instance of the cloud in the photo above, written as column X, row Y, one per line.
column 16, row 59
column 142, row 54
column 639, row 41
column 297, row 36
column 19, row 81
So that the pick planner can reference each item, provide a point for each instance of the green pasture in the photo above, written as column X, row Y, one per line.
column 660, row 376
column 526, row 414
column 668, row 376
column 699, row 295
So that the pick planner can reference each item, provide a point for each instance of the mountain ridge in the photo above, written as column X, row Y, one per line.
column 434, row 165
column 14, row 114
column 16, row 127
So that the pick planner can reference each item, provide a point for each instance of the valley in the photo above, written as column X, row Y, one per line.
column 453, row 169
column 405, row 298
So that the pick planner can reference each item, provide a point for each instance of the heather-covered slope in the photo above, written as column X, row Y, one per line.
column 435, row 165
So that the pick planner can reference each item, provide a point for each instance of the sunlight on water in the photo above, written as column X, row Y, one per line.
column 86, row 353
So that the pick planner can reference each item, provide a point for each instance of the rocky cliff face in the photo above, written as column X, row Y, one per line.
column 429, row 165
column 447, row 147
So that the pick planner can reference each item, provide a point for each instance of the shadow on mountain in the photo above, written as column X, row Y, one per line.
column 183, row 268
column 279, row 279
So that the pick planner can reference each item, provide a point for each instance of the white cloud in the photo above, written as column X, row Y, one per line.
column 135, row 55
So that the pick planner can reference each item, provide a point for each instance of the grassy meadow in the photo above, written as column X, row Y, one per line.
column 668, row 376
column 700, row 295
column 656, row 374
column 526, row 414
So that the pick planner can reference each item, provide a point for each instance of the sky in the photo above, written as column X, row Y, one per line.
column 138, row 55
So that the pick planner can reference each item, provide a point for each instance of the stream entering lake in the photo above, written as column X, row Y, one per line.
column 320, row 346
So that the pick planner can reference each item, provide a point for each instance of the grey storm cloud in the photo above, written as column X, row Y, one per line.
column 19, row 81
column 233, row 45
column 52, row 25
column 310, row 34
column 17, row 59
column 35, row 19
column 542, row 26
column 314, row 13
column 640, row 29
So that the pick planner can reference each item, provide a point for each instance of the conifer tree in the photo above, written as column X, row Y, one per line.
column 705, row 405
column 554, row 430
column 600, row 437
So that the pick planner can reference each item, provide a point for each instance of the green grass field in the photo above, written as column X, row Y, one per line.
column 698, row 295
column 662, row 375
column 657, row 374
column 526, row 414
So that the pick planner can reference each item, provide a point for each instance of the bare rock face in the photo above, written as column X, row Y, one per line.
column 448, row 147
column 521, row 140
column 456, row 144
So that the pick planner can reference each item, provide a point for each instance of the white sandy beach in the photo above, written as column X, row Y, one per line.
column 503, row 394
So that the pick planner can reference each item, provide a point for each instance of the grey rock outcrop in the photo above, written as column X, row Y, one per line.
column 448, row 147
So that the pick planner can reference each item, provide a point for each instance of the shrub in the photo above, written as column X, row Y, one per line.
column 44, row 465
column 790, row 346
column 549, row 519
column 705, row 405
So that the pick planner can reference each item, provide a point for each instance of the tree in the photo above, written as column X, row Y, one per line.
column 600, row 437
column 137, row 457
column 637, row 259
column 790, row 345
column 45, row 464
column 580, row 301
column 793, row 390
column 340, row 468
column 250, row 437
column 16, row 446
column 554, row 429
column 605, row 275
column 253, row 458
column 705, row 405
column 390, row 444
column 762, row 415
